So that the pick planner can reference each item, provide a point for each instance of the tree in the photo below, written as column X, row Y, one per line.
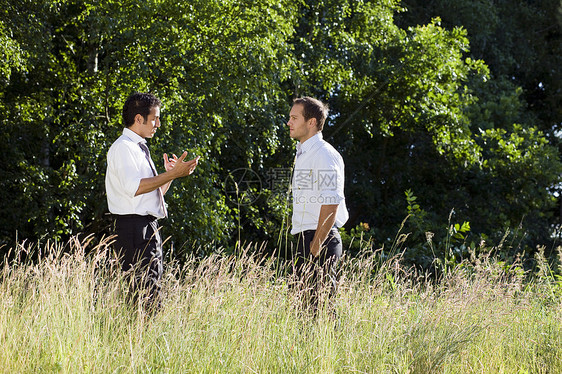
column 216, row 65
column 407, row 117
column 518, row 106
column 415, row 106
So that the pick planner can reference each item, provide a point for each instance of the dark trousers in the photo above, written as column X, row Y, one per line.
column 139, row 247
column 315, row 274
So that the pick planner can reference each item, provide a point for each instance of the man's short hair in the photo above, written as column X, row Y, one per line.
column 313, row 108
column 139, row 103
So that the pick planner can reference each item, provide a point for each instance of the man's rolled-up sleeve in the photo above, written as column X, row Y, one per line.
column 329, row 180
column 127, row 170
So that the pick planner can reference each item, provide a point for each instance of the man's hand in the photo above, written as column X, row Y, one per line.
column 178, row 166
column 315, row 247
column 326, row 221
column 169, row 163
column 175, row 168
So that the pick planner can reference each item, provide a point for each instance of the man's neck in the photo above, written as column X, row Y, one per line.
column 136, row 130
column 135, row 133
column 309, row 136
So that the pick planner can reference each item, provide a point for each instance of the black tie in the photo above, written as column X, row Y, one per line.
column 146, row 151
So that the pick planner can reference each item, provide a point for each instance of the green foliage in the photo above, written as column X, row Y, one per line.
column 358, row 240
column 520, row 42
column 12, row 56
column 215, row 65
column 432, row 244
column 423, row 98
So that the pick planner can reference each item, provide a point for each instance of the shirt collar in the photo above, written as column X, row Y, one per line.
column 309, row 143
column 133, row 136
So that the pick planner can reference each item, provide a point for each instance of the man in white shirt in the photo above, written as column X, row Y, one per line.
column 318, row 199
column 135, row 193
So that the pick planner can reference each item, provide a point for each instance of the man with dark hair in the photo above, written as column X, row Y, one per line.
column 318, row 199
column 135, row 193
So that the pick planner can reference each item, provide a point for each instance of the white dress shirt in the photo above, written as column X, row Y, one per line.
column 126, row 166
column 318, row 179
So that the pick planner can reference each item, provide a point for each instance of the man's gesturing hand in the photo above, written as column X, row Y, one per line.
column 178, row 166
column 169, row 162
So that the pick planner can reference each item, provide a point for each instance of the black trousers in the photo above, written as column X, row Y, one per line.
column 315, row 274
column 139, row 247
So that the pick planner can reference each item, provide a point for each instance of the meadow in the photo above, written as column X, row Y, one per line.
column 66, row 312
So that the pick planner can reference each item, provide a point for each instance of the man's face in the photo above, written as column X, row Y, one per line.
column 299, row 128
column 148, row 127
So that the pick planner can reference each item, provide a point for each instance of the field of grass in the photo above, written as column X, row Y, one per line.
column 234, row 314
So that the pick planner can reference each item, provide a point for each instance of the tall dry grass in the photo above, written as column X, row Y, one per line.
column 67, row 313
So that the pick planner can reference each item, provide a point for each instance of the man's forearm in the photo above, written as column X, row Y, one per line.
column 326, row 221
column 176, row 169
column 150, row 184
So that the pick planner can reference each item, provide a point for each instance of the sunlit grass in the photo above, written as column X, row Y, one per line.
column 236, row 314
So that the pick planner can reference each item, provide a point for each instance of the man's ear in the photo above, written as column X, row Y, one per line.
column 312, row 122
column 139, row 119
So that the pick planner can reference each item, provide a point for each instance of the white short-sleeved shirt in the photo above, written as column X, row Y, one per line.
column 318, row 179
column 126, row 166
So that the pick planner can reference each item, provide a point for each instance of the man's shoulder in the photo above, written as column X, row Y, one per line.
column 325, row 156
column 123, row 141
column 121, row 144
column 328, row 149
column 327, row 145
